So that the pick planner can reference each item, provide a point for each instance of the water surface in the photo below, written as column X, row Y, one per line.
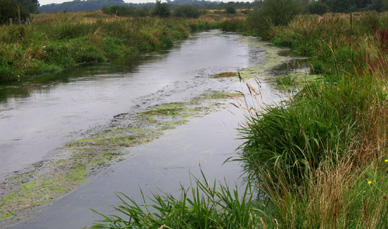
column 40, row 115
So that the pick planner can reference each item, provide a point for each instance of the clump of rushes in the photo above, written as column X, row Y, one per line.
column 56, row 41
column 285, row 81
column 203, row 205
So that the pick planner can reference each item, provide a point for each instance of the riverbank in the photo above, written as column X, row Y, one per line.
column 57, row 41
column 321, row 158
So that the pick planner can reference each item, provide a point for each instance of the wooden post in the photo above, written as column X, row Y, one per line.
column 351, row 30
column 351, row 22
column 10, row 22
column 20, row 20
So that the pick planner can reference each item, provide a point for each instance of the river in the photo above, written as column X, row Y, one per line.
column 40, row 115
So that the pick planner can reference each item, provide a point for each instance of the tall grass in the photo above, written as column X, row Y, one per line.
column 321, row 159
column 203, row 205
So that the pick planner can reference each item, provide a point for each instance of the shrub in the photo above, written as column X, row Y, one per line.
column 234, row 24
column 125, row 11
column 187, row 11
column 273, row 13
column 160, row 10
column 285, row 81
column 319, row 8
column 230, row 10
column 7, row 73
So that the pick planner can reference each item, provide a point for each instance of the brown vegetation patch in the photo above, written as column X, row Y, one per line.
column 225, row 74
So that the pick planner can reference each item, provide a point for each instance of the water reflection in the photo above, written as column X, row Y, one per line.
column 44, row 83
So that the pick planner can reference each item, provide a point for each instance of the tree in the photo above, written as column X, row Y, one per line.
column 30, row 5
column 377, row 5
column 230, row 9
column 9, row 9
column 344, row 6
column 319, row 8
column 187, row 11
column 125, row 11
column 160, row 9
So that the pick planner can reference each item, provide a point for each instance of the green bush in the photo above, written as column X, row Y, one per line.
column 187, row 11
column 285, row 81
column 319, row 8
column 230, row 10
column 160, row 10
column 125, row 11
column 7, row 73
column 317, row 67
column 273, row 13
column 234, row 25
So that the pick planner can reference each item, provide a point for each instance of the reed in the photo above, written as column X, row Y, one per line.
column 203, row 205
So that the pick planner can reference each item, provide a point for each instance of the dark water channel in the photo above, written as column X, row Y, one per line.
column 40, row 115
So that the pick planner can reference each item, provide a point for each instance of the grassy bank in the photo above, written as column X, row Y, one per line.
column 61, row 40
column 320, row 159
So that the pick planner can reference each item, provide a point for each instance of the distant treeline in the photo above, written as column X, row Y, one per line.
column 93, row 5
column 9, row 9
column 78, row 6
column 346, row 6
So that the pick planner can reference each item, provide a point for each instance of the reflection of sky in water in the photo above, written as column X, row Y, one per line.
column 42, row 112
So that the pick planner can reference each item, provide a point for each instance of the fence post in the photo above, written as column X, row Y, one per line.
column 10, row 22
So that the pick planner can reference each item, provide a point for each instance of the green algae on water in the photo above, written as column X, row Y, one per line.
column 52, row 180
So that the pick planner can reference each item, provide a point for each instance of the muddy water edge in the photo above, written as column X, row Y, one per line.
column 92, row 124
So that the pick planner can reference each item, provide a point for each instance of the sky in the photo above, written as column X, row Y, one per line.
column 45, row 2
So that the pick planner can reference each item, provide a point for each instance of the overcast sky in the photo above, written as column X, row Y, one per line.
column 45, row 2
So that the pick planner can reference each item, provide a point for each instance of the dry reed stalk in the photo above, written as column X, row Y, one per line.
column 327, row 194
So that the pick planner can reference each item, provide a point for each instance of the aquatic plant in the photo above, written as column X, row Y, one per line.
column 203, row 205
column 285, row 80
